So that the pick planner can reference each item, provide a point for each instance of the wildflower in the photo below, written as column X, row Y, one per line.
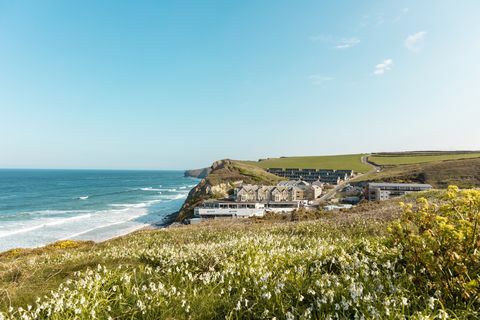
column 289, row 316
column 443, row 314
column 267, row 295
column 307, row 313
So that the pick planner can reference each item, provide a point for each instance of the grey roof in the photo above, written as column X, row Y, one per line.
column 292, row 183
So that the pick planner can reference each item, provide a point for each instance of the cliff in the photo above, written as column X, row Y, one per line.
column 224, row 175
column 198, row 173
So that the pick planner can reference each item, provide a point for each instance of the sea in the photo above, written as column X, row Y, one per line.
column 38, row 207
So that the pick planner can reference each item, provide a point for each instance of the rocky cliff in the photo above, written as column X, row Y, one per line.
column 198, row 173
column 224, row 175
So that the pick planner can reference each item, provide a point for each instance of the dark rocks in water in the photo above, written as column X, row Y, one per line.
column 197, row 173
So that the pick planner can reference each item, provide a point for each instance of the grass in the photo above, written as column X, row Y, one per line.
column 340, row 265
column 350, row 161
column 400, row 159
column 440, row 174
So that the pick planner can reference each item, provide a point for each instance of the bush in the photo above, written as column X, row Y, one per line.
column 440, row 246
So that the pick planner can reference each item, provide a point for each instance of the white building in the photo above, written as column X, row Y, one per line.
column 384, row 191
column 212, row 208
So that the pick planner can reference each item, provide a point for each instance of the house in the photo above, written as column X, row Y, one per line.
column 280, row 193
column 293, row 190
column 246, row 193
column 264, row 193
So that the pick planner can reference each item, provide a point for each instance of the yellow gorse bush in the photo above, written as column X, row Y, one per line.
column 441, row 245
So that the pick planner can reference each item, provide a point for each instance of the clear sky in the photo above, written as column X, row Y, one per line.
column 179, row 84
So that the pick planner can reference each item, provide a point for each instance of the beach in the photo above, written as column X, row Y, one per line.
column 38, row 207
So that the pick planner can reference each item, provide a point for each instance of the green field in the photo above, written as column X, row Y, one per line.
column 396, row 159
column 464, row 173
column 349, row 161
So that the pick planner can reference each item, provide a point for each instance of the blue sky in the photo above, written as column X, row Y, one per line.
column 179, row 84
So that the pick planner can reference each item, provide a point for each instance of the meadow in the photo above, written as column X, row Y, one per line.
column 400, row 159
column 341, row 265
column 350, row 161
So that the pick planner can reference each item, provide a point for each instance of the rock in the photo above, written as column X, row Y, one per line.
column 198, row 173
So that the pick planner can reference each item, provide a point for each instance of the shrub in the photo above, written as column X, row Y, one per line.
column 441, row 245
column 64, row 244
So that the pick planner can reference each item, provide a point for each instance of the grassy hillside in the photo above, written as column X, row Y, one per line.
column 350, row 161
column 341, row 265
column 464, row 173
column 221, row 180
column 412, row 158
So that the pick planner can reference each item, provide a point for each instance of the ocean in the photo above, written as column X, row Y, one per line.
column 38, row 207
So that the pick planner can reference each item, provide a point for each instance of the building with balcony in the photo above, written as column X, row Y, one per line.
column 311, row 175
column 375, row 191
column 217, row 209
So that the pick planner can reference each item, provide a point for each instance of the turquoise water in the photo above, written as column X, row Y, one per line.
column 41, row 206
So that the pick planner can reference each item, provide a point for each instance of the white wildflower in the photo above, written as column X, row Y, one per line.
column 289, row 316
column 267, row 295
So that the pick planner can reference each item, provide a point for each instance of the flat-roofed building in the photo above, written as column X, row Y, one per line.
column 379, row 191
column 213, row 208
column 329, row 176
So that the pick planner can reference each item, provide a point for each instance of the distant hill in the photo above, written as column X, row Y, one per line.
column 398, row 158
column 348, row 161
column 464, row 173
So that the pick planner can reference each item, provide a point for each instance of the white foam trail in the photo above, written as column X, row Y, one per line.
column 100, row 227
column 129, row 205
column 177, row 196
column 150, row 189
column 136, row 205
column 52, row 212
column 49, row 224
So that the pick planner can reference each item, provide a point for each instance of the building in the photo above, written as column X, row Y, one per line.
column 214, row 209
column 311, row 175
column 284, row 191
column 384, row 191
column 332, row 207
column 255, row 200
